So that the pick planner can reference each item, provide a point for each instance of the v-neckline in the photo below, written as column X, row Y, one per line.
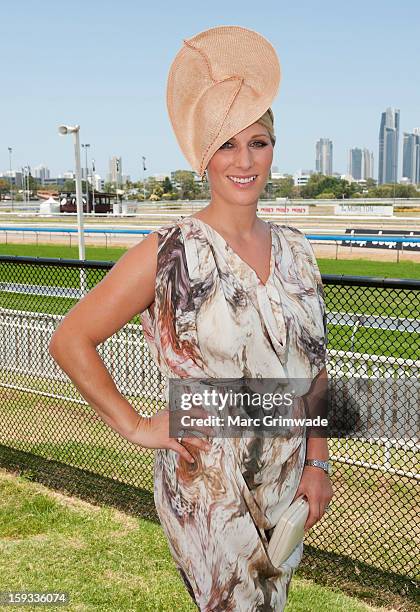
column 235, row 254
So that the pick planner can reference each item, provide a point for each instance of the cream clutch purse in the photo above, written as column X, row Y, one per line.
column 288, row 532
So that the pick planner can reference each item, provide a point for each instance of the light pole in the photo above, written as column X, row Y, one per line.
column 10, row 175
column 29, row 183
column 85, row 147
column 68, row 129
column 93, row 185
column 24, row 182
column 117, row 167
column 25, row 175
column 144, row 183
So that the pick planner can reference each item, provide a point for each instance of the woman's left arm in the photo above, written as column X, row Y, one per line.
column 315, row 484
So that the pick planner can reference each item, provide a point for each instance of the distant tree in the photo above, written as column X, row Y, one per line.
column 370, row 183
column 158, row 191
column 344, row 189
column 189, row 189
column 33, row 184
column 203, row 191
column 152, row 184
column 109, row 188
column 4, row 186
column 326, row 195
column 319, row 184
column 387, row 191
column 69, row 185
column 167, row 185
column 283, row 188
column 405, row 191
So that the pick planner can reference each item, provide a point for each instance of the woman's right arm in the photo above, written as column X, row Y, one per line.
column 127, row 290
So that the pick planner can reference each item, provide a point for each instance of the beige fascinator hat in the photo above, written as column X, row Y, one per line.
column 221, row 81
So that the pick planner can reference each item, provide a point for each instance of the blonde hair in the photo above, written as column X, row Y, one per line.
column 267, row 120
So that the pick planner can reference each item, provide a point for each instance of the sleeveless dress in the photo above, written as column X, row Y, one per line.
column 214, row 318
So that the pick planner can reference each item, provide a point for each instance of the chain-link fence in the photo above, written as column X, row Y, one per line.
column 374, row 338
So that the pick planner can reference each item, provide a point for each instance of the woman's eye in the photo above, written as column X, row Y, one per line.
column 260, row 143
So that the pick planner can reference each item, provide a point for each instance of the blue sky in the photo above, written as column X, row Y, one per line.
column 104, row 65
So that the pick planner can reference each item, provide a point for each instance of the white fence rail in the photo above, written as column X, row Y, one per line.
column 26, row 365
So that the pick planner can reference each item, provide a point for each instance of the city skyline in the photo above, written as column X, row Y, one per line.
column 360, row 164
column 407, row 164
column 110, row 75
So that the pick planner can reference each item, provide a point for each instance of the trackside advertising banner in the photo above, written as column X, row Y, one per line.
column 407, row 245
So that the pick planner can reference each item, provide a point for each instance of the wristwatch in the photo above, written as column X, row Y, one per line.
column 324, row 465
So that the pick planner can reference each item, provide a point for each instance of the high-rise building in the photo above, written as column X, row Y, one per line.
column 42, row 173
column 324, row 156
column 115, row 170
column 367, row 169
column 416, row 132
column 388, row 146
column 411, row 156
column 355, row 163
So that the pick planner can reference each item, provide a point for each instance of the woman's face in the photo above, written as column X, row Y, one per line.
column 248, row 154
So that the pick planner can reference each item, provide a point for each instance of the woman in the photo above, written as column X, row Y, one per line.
column 222, row 295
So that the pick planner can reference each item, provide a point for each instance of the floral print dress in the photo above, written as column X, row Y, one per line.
column 214, row 318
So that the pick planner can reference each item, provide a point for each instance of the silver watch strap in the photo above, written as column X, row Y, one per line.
column 324, row 465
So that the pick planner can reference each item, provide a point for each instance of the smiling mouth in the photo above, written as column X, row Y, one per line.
column 245, row 180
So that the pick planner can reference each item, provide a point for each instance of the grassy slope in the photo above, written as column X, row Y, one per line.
column 105, row 559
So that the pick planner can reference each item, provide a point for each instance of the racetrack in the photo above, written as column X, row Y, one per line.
column 320, row 220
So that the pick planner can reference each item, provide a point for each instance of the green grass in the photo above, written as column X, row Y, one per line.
column 143, row 577
column 359, row 267
column 373, row 300
column 364, row 267
column 106, row 559
column 377, row 301
column 305, row 596
column 72, row 434
column 375, row 341
column 55, row 250
column 372, row 518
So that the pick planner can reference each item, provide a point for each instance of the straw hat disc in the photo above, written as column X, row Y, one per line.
column 221, row 81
